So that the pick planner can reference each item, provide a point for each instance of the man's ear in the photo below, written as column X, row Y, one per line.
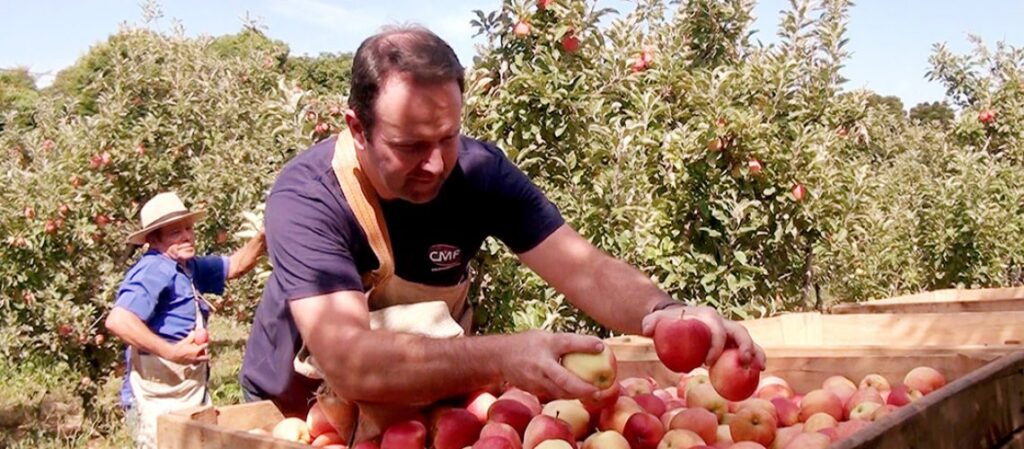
column 355, row 126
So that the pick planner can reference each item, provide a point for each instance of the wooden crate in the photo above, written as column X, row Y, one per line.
column 948, row 300
column 982, row 406
column 888, row 329
column 226, row 427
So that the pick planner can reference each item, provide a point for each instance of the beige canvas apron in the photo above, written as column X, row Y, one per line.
column 160, row 385
column 396, row 304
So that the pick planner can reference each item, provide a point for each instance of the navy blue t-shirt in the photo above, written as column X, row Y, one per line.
column 317, row 246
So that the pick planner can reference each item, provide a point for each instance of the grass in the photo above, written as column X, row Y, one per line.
column 40, row 406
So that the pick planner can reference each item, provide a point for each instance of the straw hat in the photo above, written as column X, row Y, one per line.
column 163, row 209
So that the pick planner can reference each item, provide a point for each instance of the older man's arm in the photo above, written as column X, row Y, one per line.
column 243, row 260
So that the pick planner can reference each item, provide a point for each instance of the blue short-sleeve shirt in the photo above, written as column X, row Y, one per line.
column 317, row 246
column 159, row 292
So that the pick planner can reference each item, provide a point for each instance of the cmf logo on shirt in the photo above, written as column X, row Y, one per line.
column 444, row 257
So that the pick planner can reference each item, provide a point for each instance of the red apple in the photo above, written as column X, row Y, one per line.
column 799, row 191
column 50, row 227
column 682, row 345
column 493, row 443
column 786, row 411
column 643, row 431
column 203, row 336
column 570, row 43
column 63, row 210
column 521, row 29
column 987, row 116
column 902, row 395
column 638, row 64
column 754, row 166
column 924, row 379
column 731, row 378
column 316, row 420
column 680, row 439
column 699, row 421
column 502, row 430
column 479, row 403
column 820, row 401
column 651, row 403
column 526, row 398
column 510, row 412
column 292, row 429
column 410, row 434
column 753, row 424
column 30, row 213
column 455, row 428
column 543, row 4
column 840, row 386
column 608, row 439
column 597, row 369
column 64, row 330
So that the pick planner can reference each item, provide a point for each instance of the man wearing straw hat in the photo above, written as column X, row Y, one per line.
column 161, row 314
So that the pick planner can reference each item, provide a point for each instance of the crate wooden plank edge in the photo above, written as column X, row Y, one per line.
column 948, row 300
column 983, row 409
column 221, row 427
column 897, row 329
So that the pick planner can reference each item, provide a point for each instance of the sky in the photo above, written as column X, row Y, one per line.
column 890, row 40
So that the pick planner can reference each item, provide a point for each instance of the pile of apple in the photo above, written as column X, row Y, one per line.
column 726, row 406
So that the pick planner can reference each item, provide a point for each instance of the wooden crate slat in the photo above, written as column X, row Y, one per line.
column 894, row 329
column 221, row 428
column 946, row 301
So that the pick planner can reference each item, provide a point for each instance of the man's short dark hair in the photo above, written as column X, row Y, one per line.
column 407, row 49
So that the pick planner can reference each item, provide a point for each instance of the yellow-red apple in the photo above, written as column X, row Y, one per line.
column 608, row 439
column 680, row 439
column 598, row 369
column 820, row 401
column 292, row 429
column 753, row 424
column 924, row 379
column 819, row 421
column 543, row 428
column 705, row 397
column 572, row 412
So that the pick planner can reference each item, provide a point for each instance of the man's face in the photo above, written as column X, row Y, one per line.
column 176, row 240
column 415, row 141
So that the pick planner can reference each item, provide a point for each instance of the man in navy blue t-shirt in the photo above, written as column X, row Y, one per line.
column 439, row 194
